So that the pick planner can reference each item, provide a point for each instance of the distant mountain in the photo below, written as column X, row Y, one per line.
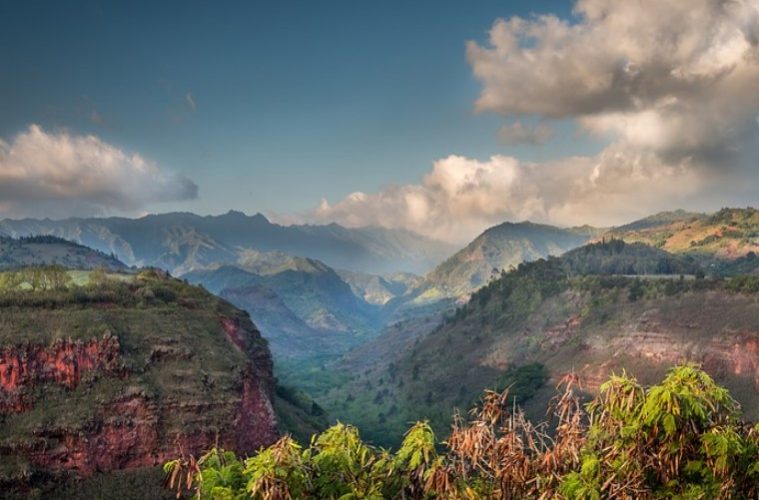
column 321, row 299
column 725, row 242
column 302, row 305
column 379, row 290
column 290, row 338
column 182, row 242
column 49, row 250
column 498, row 248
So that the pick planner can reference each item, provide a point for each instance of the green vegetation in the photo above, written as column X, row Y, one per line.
column 617, row 257
column 143, row 482
column 36, row 278
column 297, row 413
column 523, row 382
column 681, row 438
column 719, row 242
column 37, row 251
column 553, row 313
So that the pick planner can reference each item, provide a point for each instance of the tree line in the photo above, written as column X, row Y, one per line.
column 52, row 277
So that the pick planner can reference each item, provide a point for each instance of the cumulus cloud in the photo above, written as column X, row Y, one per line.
column 44, row 173
column 517, row 133
column 462, row 196
column 670, row 85
column 677, row 78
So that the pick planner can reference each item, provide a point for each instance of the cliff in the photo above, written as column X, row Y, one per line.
column 125, row 376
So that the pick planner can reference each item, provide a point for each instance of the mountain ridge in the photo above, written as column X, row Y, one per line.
column 183, row 241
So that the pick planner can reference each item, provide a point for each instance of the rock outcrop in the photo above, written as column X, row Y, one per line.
column 177, row 376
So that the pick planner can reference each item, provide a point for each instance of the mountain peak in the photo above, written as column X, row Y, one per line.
column 260, row 218
column 242, row 216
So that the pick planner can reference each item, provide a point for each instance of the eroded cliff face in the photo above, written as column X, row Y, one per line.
column 64, row 362
column 128, row 399
column 719, row 331
column 128, row 431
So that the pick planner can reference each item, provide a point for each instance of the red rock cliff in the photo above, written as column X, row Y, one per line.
column 136, row 428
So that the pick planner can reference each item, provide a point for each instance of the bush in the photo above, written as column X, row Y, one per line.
column 681, row 438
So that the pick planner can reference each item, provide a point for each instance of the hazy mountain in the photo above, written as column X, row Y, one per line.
column 379, row 290
column 313, row 291
column 48, row 250
column 498, row 248
column 181, row 242
column 288, row 335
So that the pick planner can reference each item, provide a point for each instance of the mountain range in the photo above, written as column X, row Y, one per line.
column 183, row 242
column 302, row 305
column 519, row 307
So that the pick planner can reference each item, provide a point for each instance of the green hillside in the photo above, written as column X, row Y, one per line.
column 550, row 317
column 50, row 250
column 721, row 241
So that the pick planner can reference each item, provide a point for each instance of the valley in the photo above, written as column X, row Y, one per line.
column 520, row 307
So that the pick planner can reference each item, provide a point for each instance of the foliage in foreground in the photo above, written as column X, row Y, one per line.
column 681, row 438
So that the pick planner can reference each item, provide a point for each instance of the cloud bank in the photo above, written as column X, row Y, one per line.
column 670, row 85
column 45, row 173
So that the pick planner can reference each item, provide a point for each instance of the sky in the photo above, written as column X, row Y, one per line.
column 434, row 116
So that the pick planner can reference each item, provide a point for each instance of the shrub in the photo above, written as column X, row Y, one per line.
column 681, row 438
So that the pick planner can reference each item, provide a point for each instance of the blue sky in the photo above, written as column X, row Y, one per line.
column 437, row 117
column 293, row 101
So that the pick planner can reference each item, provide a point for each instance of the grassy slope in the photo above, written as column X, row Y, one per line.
column 46, row 250
column 723, row 236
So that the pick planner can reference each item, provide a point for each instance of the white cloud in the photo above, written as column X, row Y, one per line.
column 671, row 85
column 61, row 174
column 678, row 78
column 462, row 196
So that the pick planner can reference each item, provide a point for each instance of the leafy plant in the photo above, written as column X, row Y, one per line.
column 681, row 438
